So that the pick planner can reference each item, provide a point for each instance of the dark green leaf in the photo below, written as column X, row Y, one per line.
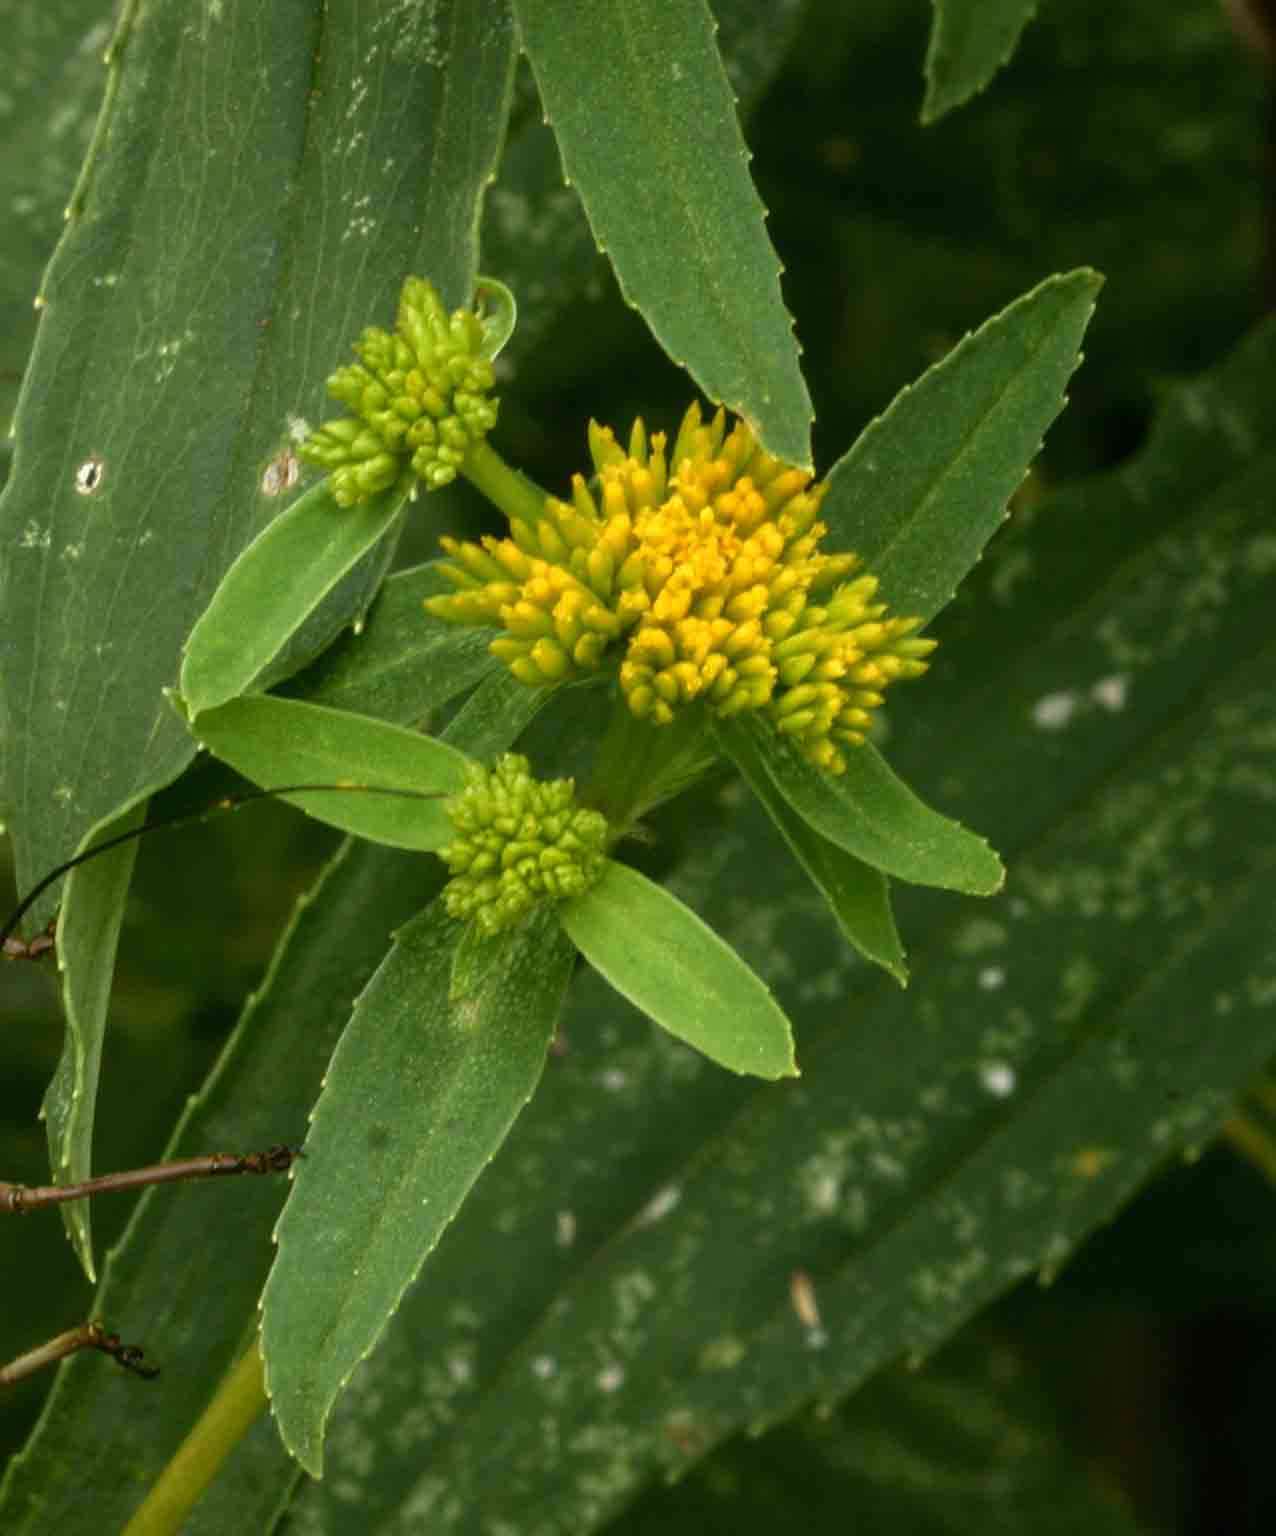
column 867, row 811
column 274, row 585
column 277, row 741
column 419, row 1094
column 926, row 485
column 403, row 663
column 562, row 265
column 188, row 320
column 214, row 268
column 648, row 135
column 660, row 956
column 969, row 42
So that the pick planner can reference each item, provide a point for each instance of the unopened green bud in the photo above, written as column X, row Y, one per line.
column 518, row 842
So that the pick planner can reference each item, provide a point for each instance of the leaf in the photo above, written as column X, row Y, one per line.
column 562, row 266
column 867, row 811
column 186, row 320
column 649, row 138
column 274, row 586
column 969, row 42
column 418, row 1096
column 275, row 741
column 403, row 663
column 89, row 925
column 857, row 894
column 965, row 1446
column 657, row 953
column 925, row 485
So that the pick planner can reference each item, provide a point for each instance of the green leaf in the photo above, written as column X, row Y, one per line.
column 188, row 322
column 965, row 1446
column 857, row 894
column 657, row 953
column 969, row 42
column 403, row 663
column 88, row 925
column 646, row 125
column 274, row 586
column 562, row 266
column 276, row 741
column 418, row 1096
column 866, row 810
column 925, row 485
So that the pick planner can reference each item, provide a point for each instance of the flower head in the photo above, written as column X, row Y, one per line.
column 705, row 583
column 518, row 842
column 420, row 396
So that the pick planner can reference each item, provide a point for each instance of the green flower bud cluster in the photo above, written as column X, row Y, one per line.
column 518, row 842
column 421, row 396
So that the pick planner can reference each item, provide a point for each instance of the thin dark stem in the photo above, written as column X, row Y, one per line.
column 18, row 1198
column 91, row 1335
column 18, row 949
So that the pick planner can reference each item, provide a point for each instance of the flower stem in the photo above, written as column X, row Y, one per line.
column 512, row 492
column 226, row 1420
column 639, row 765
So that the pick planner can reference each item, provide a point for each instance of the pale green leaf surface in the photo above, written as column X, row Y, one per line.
column 925, row 485
column 857, row 894
column 275, row 741
column 665, row 960
column 649, row 138
column 212, row 1244
column 273, row 586
column 420, row 1093
column 969, row 42
column 1056, row 1046
column 867, row 810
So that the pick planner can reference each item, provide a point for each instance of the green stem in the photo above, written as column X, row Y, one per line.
column 639, row 765
column 506, row 488
column 227, row 1419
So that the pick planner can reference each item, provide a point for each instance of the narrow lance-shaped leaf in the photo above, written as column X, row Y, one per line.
column 645, row 120
column 969, row 42
column 89, row 924
column 274, row 586
column 867, row 811
column 283, row 741
column 925, row 485
column 857, row 894
column 419, row 1094
column 656, row 952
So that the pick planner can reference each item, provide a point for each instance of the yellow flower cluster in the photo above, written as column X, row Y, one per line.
column 420, row 396
column 707, row 584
